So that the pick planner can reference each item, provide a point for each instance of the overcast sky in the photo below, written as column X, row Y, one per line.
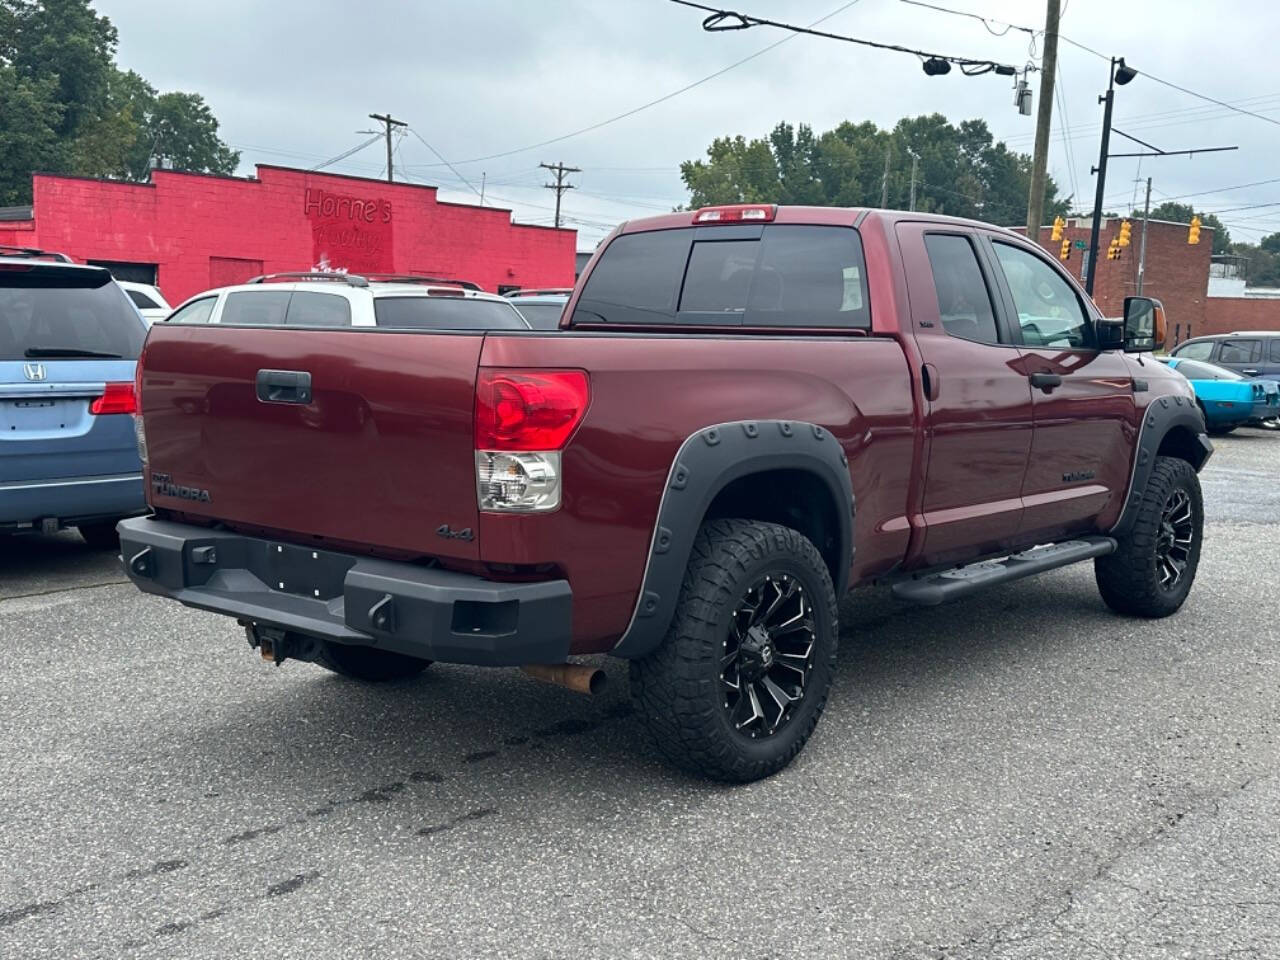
column 292, row 83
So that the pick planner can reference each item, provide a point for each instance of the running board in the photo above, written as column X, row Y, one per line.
column 934, row 588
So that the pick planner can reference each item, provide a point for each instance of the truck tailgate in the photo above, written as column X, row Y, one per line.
column 378, row 452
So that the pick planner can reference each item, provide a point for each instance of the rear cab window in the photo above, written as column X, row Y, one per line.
column 784, row 275
column 56, row 311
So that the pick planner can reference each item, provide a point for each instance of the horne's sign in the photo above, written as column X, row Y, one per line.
column 348, row 232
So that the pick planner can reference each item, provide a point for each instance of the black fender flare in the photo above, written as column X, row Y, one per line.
column 707, row 462
column 1162, row 415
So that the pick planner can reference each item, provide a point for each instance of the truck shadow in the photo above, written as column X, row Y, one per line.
column 461, row 739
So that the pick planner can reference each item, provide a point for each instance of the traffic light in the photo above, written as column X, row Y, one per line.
column 1058, row 224
column 1065, row 254
column 1125, row 230
column 1193, row 234
column 1113, row 251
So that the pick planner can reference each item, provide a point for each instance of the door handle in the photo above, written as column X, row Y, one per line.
column 1250, row 373
column 1045, row 381
column 284, row 386
column 929, row 381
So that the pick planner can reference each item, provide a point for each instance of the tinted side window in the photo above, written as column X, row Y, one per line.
column 1199, row 350
column 636, row 279
column 1049, row 312
column 197, row 311
column 446, row 313
column 541, row 316
column 810, row 277
column 257, row 308
column 141, row 300
column 964, row 302
column 1275, row 349
column 318, row 310
column 1240, row 351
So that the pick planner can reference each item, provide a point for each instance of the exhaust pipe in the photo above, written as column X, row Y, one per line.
column 574, row 676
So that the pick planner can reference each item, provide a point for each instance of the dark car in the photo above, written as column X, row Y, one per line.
column 1250, row 353
column 747, row 411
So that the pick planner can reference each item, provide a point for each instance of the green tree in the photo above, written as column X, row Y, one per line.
column 66, row 108
column 1183, row 212
column 1270, row 243
column 959, row 170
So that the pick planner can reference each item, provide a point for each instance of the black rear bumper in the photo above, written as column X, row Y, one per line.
column 401, row 607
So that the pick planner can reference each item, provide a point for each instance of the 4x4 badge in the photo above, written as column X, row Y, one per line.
column 33, row 371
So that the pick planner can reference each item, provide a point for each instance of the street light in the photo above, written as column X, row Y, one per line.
column 1120, row 73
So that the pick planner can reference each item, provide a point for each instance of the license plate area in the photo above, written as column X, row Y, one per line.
column 317, row 574
column 43, row 417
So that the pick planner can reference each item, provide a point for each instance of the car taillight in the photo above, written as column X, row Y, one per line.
column 523, row 419
column 116, row 398
column 139, row 431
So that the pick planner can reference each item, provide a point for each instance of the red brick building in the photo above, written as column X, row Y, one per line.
column 188, row 232
column 1177, row 273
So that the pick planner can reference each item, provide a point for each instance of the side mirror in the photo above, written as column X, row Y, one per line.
column 1144, row 324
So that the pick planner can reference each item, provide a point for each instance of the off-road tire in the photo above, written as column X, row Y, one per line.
column 1128, row 579
column 677, row 689
column 100, row 535
column 367, row 663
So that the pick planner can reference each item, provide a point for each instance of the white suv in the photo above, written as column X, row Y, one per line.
column 351, row 300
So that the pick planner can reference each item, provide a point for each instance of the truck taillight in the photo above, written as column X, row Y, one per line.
column 139, row 431
column 116, row 398
column 523, row 419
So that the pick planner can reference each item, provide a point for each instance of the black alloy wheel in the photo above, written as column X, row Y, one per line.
column 768, row 655
column 1175, row 538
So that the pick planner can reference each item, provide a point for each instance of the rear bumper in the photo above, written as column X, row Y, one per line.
column 71, row 499
column 401, row 607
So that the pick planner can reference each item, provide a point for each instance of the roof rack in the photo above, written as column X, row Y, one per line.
column 351, row 279
column 414, row 278
column 8, row 251
column 540, row 292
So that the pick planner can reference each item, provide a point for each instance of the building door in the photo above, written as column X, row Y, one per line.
column 132, row 272
column 228, row 271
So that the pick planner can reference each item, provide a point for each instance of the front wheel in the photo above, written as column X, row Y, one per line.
column 739, row 682
column 1155, row 563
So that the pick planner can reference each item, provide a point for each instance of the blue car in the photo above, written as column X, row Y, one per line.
column 69, row 345
column 1227, row 399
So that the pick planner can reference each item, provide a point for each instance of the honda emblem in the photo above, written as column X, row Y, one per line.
column 33, row 371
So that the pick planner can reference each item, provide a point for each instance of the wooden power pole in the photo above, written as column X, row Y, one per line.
column 561, row 171
column 388, row 121
column 1044, row 118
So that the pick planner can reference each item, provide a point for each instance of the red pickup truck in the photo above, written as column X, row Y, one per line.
column 747, row 411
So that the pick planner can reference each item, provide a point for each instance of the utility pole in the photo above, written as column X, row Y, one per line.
column 1142, row 250
column 483, row 177
column 388, row 121
column 1091, row 256
column 915, row 162
column 884, row 182
column 561, row 171
column 1044, row 119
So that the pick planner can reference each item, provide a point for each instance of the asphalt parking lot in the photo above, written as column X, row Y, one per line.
column 1020, row 775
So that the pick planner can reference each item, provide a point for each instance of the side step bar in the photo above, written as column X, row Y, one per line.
column 931, row 589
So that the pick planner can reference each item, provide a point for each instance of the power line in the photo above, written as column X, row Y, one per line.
column 653, row 103
column 390, row 123
column 720, row 20
column 1169, row 83
column 342, row 156
column 560, row 186
column 446, row 162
